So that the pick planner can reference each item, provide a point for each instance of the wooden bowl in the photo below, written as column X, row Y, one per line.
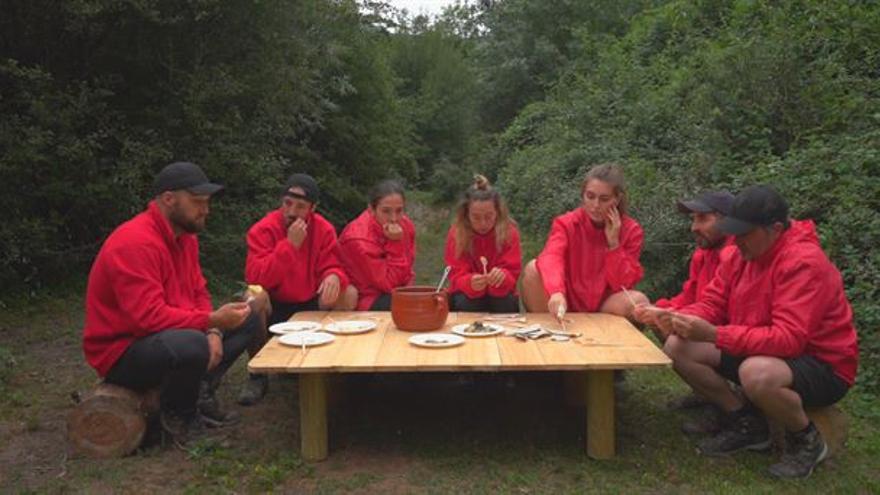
column 419, row 308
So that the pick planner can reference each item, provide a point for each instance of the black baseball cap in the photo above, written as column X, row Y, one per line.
column 304, row 182
column 755, row 206
column 708, row 202
column 184, row 175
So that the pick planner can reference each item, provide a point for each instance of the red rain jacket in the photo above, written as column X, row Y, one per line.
column 508, row 259
column 144, row 280
column 577, row 262
column 376, row 264
column 290, row 274
column 787, row 303
column 703, row 265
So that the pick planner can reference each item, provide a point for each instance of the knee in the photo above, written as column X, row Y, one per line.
column 674, row 347
column 530, row 272
column 638, row 297
column 188, row 348
column 757, row 375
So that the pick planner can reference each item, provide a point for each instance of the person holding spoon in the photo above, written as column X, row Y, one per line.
column 379, row 247
column 591, row 254
column 483, row 249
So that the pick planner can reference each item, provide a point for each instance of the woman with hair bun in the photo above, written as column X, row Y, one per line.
column 483, row 249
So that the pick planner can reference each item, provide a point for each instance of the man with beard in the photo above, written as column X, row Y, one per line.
column 775, row 320
column 294, row 255
column 705, row 211
column 149, row 318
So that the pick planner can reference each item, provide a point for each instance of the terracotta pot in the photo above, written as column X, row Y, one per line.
column 419, row 309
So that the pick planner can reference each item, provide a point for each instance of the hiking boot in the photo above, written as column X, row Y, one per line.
column 743, row 430
column 185, row 429
column 209, row 407
column 254, row 390
column 804, row 450
column 710, row 420
column 687, row 401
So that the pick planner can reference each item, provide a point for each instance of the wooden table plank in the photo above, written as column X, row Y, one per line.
column 275, row 357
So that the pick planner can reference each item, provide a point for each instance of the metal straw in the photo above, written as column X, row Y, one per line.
column 443, row 278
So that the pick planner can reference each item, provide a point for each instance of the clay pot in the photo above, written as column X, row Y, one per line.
column 419, row 309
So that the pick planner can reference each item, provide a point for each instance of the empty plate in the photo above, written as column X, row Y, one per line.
column 436, row 340
column 294, row 326
column 307, row 339
column 350, row 327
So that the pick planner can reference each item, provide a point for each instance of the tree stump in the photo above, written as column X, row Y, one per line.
column 110, row 421
column 831, row 422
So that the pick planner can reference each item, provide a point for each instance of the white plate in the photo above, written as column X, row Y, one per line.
column 350, row 327
column 298, row 339
column 495, row 330
column 294, row 326
column 436, row 340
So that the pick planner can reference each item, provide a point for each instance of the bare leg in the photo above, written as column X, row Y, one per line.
column 533, row 294
column 619, row 304
column 696, row 363
column 767, row 382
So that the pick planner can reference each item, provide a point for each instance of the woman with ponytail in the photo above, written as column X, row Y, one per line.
column 482, row 247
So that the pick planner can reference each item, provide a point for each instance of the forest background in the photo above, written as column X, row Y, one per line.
column 98, row 95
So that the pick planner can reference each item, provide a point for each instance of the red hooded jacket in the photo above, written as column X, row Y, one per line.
column 577, row 262
column 375, row 263
column 144, row 280
column 703, row 265
column 786, row 303
column 290, row 274
column 508, row 259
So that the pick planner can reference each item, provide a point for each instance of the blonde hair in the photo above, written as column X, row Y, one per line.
column 610, row 173
column 480, row 190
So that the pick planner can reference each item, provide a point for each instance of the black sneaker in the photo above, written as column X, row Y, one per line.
column 185, row 430
column 709, row 420
column 742, row 431
column 212, row 414
column 254, row 390
column 687, row 401
column 803, row 452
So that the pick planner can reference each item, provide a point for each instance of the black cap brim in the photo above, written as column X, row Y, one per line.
column 735, row 226
column 694, row 206
column 208, row 188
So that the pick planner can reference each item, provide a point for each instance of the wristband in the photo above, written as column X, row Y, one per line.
column 214, row 331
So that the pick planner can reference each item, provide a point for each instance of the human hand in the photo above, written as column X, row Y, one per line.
column 329, row 290
column 479, row 281
column 555, row 303
column 229, row 316
column 393, row 231
column 693, row 328
column 612, row 227
column 495, row 277
column 297, row 232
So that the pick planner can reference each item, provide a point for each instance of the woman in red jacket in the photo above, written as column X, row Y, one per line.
column 482, row 247
column 591, row 255
column 378, row 248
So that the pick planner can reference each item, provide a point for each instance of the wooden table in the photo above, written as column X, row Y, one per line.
column 607, row 343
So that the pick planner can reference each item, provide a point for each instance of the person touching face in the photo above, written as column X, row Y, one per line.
column 388, row 212
column 296, row 211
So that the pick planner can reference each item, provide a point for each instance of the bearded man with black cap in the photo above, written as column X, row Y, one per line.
column 149, row 318
column 776, row 321
column 293, row 253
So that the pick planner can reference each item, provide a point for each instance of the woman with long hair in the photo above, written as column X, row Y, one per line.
column 483, row 249
column 591, row 259
column 378, row 248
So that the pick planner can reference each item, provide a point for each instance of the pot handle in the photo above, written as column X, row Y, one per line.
column 439, row 300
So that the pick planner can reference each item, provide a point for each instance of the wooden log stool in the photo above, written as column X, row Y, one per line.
column 110, row 421
column 831, row 422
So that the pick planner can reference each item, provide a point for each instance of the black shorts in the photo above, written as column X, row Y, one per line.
column 282, row 311
column 814, row 380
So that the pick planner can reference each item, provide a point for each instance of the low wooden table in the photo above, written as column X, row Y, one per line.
column 607, row 343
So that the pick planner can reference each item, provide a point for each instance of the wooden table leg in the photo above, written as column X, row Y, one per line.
column 600, row 414
column 313, row 416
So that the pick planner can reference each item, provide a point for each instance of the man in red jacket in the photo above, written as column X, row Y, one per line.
column 149, row 318
column 776, row 321
column 294, row 255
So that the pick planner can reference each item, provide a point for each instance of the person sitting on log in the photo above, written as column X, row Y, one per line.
column 149, row 318
column 293, row 253
column 591, row 255
column 379, row 247
column 776, row 320
column 483, row 249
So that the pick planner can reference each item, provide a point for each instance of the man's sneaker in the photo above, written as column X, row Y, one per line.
column 742, row 431
column 709, row 420
column 185, row 430
column 803, row 452
column 254, row 390
column 687, row 401
column 209, row 407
